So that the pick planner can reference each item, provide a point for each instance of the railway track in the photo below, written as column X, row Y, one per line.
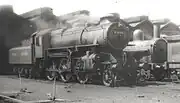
column 88, row 93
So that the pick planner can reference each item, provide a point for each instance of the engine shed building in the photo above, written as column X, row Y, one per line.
column 143, row 23
column 146, row 26
column 170, row 29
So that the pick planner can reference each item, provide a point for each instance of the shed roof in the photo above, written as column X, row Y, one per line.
column 36, row 12
column 141, row 23
column 167, row 24
column 136, row 19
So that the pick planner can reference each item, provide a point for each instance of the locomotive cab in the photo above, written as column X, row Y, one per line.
column 41, row 42
column 36, row 45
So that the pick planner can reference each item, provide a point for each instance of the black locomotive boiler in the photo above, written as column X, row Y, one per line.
column 81, row 52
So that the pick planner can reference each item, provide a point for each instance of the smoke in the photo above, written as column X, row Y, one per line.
column 43, row 18
column 13, row 29
column 82, row 18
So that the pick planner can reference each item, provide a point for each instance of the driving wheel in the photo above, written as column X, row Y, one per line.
column 50, row 74
column 66, row 76
column 108, row 77
column 65, row 73
column 82, row 77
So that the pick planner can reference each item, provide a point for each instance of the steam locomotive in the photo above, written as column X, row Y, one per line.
column 151, row 55
column 94, row 51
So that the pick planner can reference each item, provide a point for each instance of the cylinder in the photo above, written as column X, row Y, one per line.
column 156, row 33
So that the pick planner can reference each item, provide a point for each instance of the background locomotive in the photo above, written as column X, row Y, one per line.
column 157, row 57
column 150, row 55
column 83, row 52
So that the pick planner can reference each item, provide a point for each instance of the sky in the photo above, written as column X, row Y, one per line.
column 155, row 9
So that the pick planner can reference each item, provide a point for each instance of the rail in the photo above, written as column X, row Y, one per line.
column 10, row 100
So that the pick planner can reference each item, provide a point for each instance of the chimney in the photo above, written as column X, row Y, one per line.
column 156, row 30
column 156, row 27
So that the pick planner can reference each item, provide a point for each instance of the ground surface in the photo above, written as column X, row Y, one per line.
column 154, row 92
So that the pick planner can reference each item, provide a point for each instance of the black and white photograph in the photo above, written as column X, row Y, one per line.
column 89, row 51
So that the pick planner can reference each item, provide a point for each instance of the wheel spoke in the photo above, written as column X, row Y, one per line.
column 64, row 67
column 26, row 72
column 66, row 76
column 82, row 77
column 50, row 75
column 107, row 77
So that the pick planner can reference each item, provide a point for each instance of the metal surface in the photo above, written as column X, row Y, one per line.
column 157, row 48
column 113, row 35
column 156, row 31
column 138, row 35
column 22, row 55
column 160, row 51
column 156, row 27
